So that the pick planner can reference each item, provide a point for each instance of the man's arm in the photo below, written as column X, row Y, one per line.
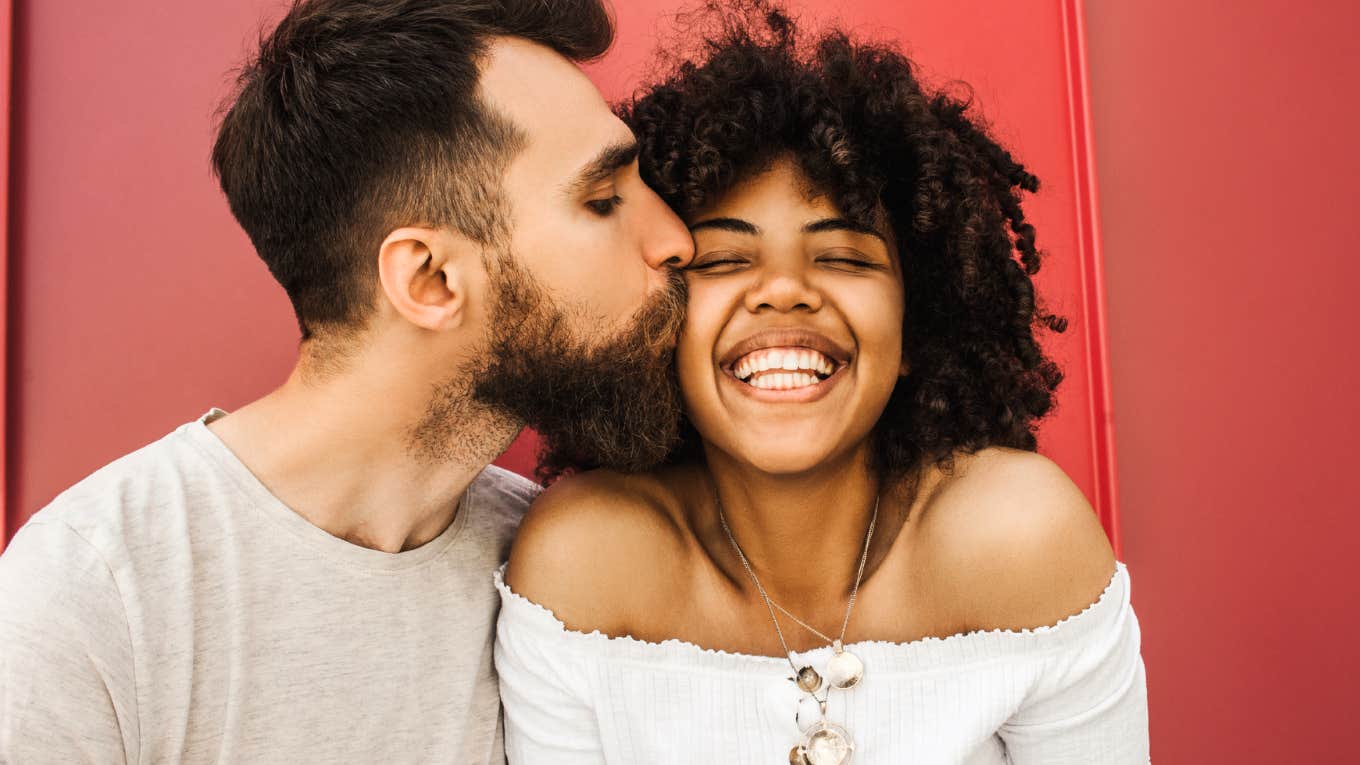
column 67, row 679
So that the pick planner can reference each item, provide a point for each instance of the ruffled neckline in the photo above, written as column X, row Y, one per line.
column 1112, row 606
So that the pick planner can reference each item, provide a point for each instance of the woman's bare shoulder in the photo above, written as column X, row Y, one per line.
column 1011, row 539
column 594, row 548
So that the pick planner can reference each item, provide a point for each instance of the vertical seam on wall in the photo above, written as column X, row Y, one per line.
column 1090, row 262
column 6, row 198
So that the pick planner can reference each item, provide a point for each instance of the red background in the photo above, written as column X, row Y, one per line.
column 1225, row 139
column 135, row 302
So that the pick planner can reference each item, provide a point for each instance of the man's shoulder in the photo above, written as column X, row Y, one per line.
column 504, row 493
column 67, row 566
column 129, row 495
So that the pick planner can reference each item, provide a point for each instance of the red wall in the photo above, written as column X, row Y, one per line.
column 1228, row 169
column 135, row 300
column 138, row 303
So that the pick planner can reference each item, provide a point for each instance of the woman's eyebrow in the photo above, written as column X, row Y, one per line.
column 840, row 224
column 735, row 225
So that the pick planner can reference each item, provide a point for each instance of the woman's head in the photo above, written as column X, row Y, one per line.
column 858, row 208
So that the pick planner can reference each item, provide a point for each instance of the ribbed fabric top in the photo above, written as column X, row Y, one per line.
column 1071, row 692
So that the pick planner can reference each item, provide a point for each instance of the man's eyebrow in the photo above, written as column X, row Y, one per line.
column 610, row 159
column 735, row 225
column 840, row 224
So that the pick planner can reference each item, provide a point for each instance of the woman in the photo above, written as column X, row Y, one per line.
column 856, row 555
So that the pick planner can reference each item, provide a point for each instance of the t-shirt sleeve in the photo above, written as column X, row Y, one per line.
column 1089, row 703
column 67, row 688
column 544, row 690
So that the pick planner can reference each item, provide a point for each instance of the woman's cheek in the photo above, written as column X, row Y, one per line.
column 689, row 367
column 877, row 323
column 694, row 351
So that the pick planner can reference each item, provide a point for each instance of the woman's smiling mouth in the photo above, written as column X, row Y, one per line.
column 783, row 368
column 785, row 365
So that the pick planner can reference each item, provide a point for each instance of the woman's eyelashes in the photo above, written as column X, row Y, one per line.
column 839, row 259
column 605, row 207
column 852, row 261
column 840, row 255
column 717, row 262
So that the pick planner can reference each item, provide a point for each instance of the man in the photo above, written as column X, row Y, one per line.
column 457, row 219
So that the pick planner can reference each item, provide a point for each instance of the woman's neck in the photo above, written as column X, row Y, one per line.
column 803, row 534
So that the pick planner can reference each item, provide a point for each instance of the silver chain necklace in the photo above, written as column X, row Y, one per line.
column 824, row 743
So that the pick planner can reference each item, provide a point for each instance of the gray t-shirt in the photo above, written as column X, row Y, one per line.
column 170, row 609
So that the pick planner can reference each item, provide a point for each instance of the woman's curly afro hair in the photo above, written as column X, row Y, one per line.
column 864, row 130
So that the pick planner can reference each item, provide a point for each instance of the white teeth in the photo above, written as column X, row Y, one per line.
column 784, row 381
column 784, row 360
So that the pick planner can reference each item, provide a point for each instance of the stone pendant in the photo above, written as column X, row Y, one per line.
column 826, row 744
column 808, row 680
column 845, row 669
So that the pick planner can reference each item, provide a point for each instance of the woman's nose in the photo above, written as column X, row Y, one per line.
column 783, row 289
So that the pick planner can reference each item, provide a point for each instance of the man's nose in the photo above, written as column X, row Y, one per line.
column 666, row 242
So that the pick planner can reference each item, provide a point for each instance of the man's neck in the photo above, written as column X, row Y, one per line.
column 339, row 453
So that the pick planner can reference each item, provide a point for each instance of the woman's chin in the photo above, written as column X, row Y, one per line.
column 784, row 459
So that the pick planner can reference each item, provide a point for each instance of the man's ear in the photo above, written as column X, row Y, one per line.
column 424, row 273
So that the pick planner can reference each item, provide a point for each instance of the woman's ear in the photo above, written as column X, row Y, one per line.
column 424, row 273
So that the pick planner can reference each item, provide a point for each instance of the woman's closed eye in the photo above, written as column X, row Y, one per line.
column 717, row 262
column 851, row 260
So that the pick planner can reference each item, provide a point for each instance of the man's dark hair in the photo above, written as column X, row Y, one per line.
column 865, row 131
column 360, row 116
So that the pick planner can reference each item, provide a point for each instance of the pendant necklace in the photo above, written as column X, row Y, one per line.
column 824, row 743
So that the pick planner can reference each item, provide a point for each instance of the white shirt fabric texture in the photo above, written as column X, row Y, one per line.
column 169, row 609
column 1073, row 693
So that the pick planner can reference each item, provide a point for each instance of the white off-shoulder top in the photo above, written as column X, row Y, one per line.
column 1073, row 692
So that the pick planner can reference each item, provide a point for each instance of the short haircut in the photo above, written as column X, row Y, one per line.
column 357, row 117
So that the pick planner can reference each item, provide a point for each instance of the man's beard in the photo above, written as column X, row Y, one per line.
column 611, row 403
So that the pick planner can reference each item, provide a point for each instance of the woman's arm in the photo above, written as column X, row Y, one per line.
column 1017, row 540
column 545, row 689
column 1090, row 705
column 582, row 561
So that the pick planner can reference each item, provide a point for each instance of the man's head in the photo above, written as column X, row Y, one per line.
column 411, row 170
